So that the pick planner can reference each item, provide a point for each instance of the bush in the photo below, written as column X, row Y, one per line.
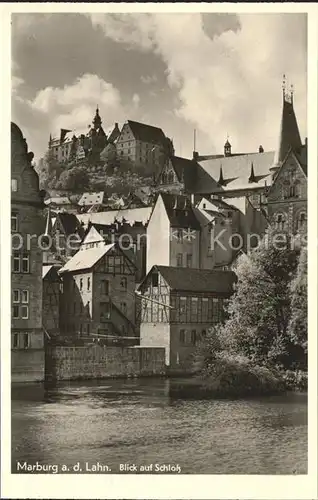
column 295, row 380
column 236, row 376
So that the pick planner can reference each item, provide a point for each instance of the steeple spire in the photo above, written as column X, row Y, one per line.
column 221, row 178
column 289, row 136
column 252, row 177
column 97, row 122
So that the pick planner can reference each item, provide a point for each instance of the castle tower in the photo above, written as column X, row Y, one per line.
column 97, row 121
column 227, row 148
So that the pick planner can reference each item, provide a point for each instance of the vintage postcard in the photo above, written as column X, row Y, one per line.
column 159, row 277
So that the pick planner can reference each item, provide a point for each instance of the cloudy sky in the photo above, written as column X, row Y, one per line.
column 217, row 73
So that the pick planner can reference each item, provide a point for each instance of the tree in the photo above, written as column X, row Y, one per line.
column 298, row 325
column 49, row 170
column 259, row 310
column 75, row 179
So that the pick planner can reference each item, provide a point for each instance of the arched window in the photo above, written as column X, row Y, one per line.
column 170, row 178
column 301, row 222
column 285, row 190
column 297, row 189
column 163, row 179
column 281, row 221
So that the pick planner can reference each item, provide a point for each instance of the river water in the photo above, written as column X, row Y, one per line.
column 137, row 422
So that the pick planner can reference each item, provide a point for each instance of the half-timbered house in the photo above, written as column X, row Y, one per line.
column 178, row 306
column 99, row 293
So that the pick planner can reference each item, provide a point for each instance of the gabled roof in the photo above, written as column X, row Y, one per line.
column 146, row 133
column 115, row 133
column 180, row 166
column 86, row 258
column 69, row 222
column 299, row 158
column 48, row 271
column 180, row 211
column 91, row 198
column 236, row 172
column 197, row 280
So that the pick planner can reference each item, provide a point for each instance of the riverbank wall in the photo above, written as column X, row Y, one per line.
column 99, row 362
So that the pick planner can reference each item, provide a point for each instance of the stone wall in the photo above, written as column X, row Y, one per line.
column 27, row 365
column 95, row 362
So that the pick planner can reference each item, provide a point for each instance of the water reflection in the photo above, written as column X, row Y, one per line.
column 142, row 422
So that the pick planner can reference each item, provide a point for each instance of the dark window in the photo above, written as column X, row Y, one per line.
column 15, row 340
column 123, row 283
column 26, row 341
column 81, row 284
column 155, row 280
column 25, row 263
column 16, row 262
column 15, row 311
column 105, row 287
column 193, row 337
column 182, row 336
column 104, row 311
column 88, row 283
column 179, row 260
column 88, row 329
column 189, row 260
column 14, row 221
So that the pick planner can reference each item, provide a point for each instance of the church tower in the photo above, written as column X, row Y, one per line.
column 289, row 136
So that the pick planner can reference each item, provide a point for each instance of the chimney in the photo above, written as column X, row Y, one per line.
column 306, row 142
column 195, row 155
column 261, row 149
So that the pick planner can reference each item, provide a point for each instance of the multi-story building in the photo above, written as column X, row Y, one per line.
column 178, row 305
column 27, row 226
column 202, row 236
column 99, row 293
column 144, row 145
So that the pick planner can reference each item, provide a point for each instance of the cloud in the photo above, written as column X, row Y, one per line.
column 229, row 79
column 136, row 100
column 147, row 80
column 72, row 106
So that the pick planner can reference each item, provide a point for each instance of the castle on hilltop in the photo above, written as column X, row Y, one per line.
column 136, row 143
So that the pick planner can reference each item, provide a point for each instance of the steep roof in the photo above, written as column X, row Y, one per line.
column 69, row 222
column 180, row 211
column 236, row 171
column 197, row 280
column 86, row 258
column 146, row 133
column 115, row 133
column 301, row 156
column 289, row 136
column 49, row 270
column 181, row 165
